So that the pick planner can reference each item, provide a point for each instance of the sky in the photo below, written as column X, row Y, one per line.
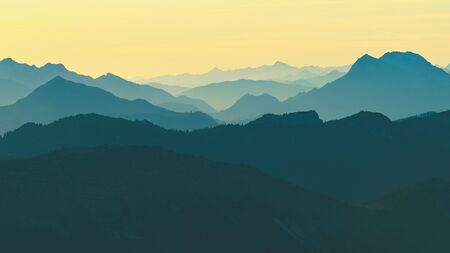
column 145, row 38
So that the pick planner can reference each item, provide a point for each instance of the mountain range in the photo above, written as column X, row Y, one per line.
column 355, row 158
column 398, row 84
column 223, row 95
column 19, row 80
column 279, row 71
column 61, row 98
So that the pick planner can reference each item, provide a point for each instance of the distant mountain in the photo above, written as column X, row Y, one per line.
column 355, row 159
column 279, row 71
column 223, row 95
column 397, row 84
column 31, row 77
column 172, row 89
column 11, row 91
column 137, row 199
column 250, row 107
column 130, row 90
column 319, row 81
column 60, row 98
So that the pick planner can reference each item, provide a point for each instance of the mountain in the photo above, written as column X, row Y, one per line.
column 223, row 95
column 279, row 71
column 130, row 90
column 61, row 98
column 172, row 89
column 397, row 84
column 319, row 81
column 26, row 78
column 447, row 69
column 250, row 107
column 137, row 199
column 354, row 159
column 10, row 91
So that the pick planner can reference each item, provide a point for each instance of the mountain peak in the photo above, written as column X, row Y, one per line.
column 403, row 58
column 280, row 63
column 54, row 67
column 215, row 70
column 8, row 61
column 365, row 117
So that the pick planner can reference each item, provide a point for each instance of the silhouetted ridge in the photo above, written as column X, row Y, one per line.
column 310, row 118
column 366, row 118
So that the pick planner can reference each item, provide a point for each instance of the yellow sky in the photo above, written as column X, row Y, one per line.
column 153, row 37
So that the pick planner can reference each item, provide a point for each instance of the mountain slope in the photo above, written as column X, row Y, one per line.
column 136, row 199
column 356, row 158
column 319, row 81
column 419, row 212
column 250, row 107
column 397, row 84
column 60, row 98
column 11, row 91
column 223, row 95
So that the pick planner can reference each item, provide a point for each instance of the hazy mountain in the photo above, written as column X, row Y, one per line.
column 172, row 89
column 223, row 95
column 355, row 158
column 60, row 98
column 30, row 77
column 130, row 90
column 250, row 107
column 447, row 68
column 319, row 81
column 10, row 91
column 136, row 199
column 279, row 71
column 311, row 72
column 397, row 84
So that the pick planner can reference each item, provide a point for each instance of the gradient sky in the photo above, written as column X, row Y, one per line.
column 153, row 37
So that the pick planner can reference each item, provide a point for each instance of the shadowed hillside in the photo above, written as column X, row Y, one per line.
column 135, row 199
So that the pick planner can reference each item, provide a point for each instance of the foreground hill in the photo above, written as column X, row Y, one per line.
column 223, row 95
column 136, row 199
column 21, row 79
column 397, row 84
column 355, row 158
column 419, row 211
column 61, row 98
